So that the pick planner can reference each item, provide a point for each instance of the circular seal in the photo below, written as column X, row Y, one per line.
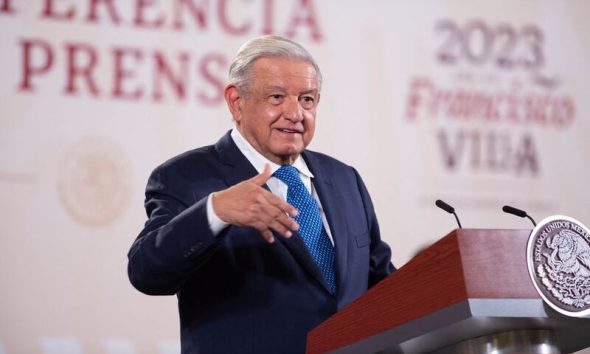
column 558, row 258
column 94, row 182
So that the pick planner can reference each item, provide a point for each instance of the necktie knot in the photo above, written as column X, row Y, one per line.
column 289, row 175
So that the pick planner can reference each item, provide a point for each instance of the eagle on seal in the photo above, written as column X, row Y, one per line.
column 571, row 253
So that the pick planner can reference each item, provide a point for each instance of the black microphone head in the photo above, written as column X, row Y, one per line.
column 514, row 211
column 444, row 206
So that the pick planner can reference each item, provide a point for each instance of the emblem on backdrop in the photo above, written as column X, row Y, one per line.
column 94, row 181
column 558, row 257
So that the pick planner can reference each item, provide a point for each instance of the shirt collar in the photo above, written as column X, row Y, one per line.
column 258, row 161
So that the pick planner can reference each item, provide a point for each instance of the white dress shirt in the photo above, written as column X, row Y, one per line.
column 275, row 185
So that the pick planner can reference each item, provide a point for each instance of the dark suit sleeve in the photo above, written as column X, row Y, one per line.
column 175, row 240
column 380, row 265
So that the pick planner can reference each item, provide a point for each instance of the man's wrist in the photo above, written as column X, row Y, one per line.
column 216, row 225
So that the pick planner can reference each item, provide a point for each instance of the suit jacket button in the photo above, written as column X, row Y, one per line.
column 193, row 249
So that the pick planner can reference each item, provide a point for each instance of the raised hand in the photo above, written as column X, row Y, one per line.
column 249, row 204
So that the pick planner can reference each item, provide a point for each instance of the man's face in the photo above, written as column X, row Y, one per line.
column 277, row 113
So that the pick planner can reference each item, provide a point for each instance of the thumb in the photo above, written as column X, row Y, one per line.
column 261, row 178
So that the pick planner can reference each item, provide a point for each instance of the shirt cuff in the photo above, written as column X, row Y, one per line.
column 215, row 223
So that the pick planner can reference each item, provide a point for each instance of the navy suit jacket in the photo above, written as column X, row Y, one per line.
column 238, row 293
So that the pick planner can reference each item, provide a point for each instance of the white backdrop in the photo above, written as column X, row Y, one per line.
column 478, row 103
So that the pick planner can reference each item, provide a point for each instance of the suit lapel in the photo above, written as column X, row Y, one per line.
column 328, row 195
column 300, row 252
column 239, row 168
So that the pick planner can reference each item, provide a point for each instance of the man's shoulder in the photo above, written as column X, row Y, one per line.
column 326, row 161
column 204, row 157
column 190, row 158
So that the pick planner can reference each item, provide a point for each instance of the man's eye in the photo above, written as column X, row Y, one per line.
column 275, row 98
column 307, row 101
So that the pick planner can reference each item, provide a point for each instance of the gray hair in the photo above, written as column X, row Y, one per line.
column 265, row 47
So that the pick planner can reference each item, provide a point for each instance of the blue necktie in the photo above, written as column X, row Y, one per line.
column 310, row 223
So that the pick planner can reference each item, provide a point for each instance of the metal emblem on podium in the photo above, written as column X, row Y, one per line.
column 558, row 258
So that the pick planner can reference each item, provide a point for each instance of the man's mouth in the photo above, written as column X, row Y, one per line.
column 289, row 131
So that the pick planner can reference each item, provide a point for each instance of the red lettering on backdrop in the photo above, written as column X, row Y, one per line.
column 182, row 75
column 525, row 156
column 140, row 15
column 543, row 108
column 121, row 72
column 30, row 69
column 109, row 6
column 226, row 25
column 199, row 13
column 489, row 151
column 82, row 62
column 84, row 71
column 50, row 12
column 304, row 15
column 217, row 83
column 6, row 7
column 415, row 99
column 175, row 15
column 178, row 81
column 451, row 151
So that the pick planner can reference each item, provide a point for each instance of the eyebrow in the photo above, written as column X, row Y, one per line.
column 314, row 91
column 282, row 89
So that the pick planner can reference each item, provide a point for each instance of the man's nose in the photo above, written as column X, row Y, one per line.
column 293, row 110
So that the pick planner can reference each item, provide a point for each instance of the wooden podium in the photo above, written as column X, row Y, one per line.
column 470, row 288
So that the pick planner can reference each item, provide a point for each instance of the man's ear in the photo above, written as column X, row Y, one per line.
column 233, row 98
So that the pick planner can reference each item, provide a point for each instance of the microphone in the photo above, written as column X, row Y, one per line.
column 521, row 213
column 449, row 209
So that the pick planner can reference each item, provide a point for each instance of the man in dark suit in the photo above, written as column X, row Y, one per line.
column 260, row 239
